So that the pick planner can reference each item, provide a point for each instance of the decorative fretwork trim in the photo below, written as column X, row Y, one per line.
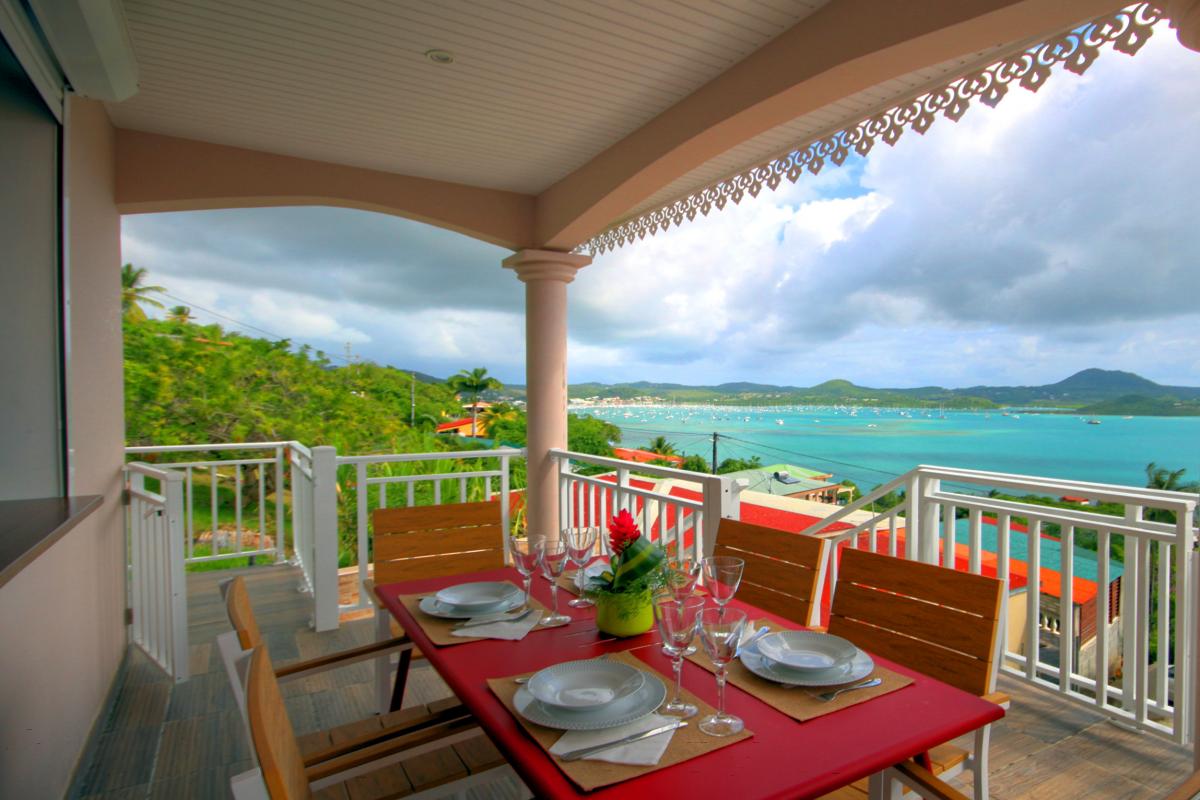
column 1126, row 30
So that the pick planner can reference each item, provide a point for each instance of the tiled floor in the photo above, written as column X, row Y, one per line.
column 162, row 740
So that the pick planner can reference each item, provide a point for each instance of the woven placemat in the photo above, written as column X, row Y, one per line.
column 438, row 629
column 687, row 743
column 796, row 701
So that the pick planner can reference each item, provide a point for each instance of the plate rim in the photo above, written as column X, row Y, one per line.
column 817, row 635
column 512, row 589
column 431, row 601
column 657, row 686
column 862, row 659
column 575, row 665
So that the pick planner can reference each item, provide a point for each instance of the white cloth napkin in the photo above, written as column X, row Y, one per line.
column 502, row 629
column 644, row 753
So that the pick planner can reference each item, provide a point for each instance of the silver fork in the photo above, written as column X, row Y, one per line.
column 830, row 696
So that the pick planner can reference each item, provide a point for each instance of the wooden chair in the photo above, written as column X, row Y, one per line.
column 937, row 621
column 241, row 617
column 375, row 764
column 429, row 542
column 785, row 572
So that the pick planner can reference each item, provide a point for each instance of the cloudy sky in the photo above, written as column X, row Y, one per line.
column 1054, row 233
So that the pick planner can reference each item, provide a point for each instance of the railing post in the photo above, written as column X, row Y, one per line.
column 325, row 538
column 280, row 524
column 928, row 547
column 173, row 492
column 912, row 516
column 1133, row 588
column 505, row 512
column 722, row 498
column 1194, row 556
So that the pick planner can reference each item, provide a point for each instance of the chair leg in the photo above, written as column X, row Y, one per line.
column 383, row 664
column 983, row 738
column 401, row 680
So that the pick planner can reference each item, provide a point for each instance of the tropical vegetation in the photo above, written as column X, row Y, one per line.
column 472, row 384
column 135, row 294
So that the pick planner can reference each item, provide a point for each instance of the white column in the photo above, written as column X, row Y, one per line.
column 545, row 274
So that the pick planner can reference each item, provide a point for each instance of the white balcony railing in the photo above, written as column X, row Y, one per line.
column 267, row 475
column 408, row 479
column 1115, row 650
column 678, row 516
column 157, row 586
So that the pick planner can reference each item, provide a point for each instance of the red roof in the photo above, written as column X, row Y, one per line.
column 644, row 456
column 455, row 425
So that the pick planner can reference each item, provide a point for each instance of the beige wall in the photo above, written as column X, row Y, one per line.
column 61, row 619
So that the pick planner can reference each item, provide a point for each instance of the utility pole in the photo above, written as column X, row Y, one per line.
column 714, row 463
column 412, row 417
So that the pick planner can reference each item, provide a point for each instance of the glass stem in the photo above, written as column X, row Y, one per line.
column 721, row 691
column 678, row 677
column 579, row 579
column 554, row 595
column 528, row 581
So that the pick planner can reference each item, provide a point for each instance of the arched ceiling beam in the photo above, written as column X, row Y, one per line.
column 846, row 47
column 165, row 173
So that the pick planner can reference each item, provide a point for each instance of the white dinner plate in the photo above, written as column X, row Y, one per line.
column 433, row 608
column 858, row 667
column 477, row 595
column 643, row 702
column 585, row 684
column 806, row 651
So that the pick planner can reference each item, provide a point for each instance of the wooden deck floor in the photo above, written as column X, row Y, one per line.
column 161, row 740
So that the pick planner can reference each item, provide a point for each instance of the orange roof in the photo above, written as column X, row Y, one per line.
column 644, row 456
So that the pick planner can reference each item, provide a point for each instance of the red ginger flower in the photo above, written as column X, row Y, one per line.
column 622, row 532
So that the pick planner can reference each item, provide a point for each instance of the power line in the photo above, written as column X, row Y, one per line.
column 812, row 456
column 248, row 326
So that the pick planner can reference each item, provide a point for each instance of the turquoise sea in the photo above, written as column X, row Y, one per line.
column 870, row 446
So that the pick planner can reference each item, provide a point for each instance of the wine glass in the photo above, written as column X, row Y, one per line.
column 720, row 631
column 553, row 559
column 677, row 627
column 682, row 575
column 525, row 555
column 581, row 544
column 722, row 575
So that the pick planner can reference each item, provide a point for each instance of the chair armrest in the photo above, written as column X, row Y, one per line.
column 926, row 783
column 1187, row 790
column 999, row 698
column 436, row 733
column 341, row 658
column 353, row 737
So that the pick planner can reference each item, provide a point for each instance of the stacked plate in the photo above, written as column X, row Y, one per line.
column 806, row 658
column 589, row 695
column 469, row 600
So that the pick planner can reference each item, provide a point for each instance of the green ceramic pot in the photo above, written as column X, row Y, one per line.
column 625, row 614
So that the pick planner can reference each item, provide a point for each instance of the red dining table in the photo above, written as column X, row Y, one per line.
column 784, row 758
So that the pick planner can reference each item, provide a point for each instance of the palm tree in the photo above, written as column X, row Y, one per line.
column 501, row 412
column 180, row 314
column 133, row 293
column 660, row 446
column 472, row 383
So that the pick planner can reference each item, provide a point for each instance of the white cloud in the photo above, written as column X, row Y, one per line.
column 1053, row 233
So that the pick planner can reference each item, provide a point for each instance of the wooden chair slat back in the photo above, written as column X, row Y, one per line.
column 435, row 541
column 935, row 620
column 241, row 615
column 274, row 739
column 784, row 571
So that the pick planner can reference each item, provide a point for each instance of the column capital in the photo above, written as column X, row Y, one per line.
column 545, row 265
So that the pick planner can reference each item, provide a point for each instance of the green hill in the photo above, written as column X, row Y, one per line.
column 187, row 383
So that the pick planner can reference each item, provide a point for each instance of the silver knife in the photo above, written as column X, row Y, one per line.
column 584, row 752
column 473, row 623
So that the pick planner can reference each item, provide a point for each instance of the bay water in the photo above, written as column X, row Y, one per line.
column 870, row 446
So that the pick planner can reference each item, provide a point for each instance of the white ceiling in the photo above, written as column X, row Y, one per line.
column 536, row 90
